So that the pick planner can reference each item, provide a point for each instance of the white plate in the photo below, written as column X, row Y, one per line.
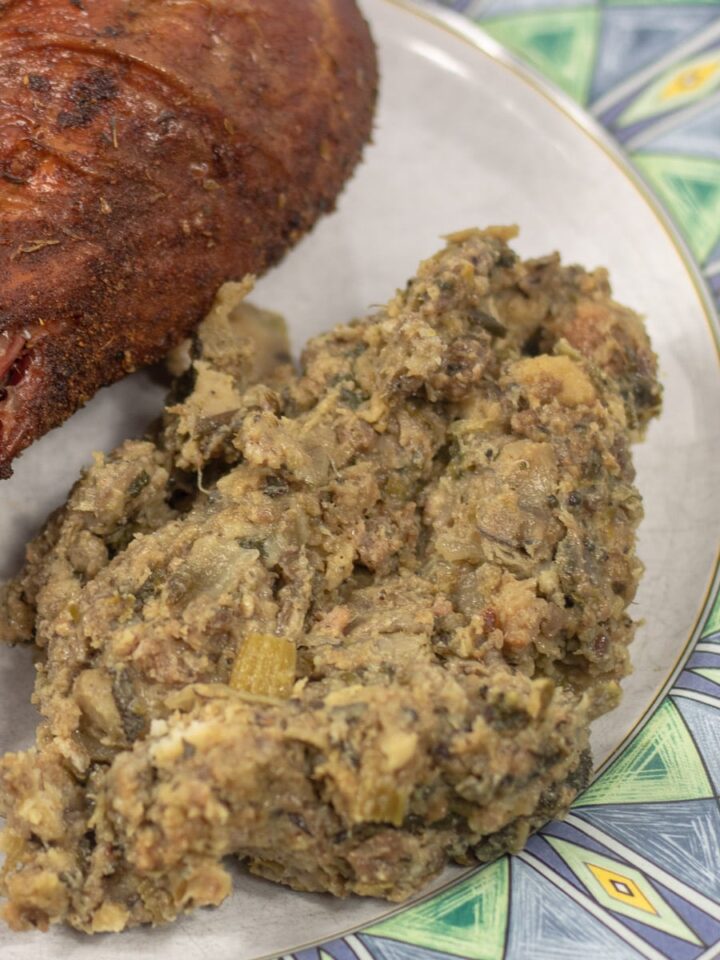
column 461, row 139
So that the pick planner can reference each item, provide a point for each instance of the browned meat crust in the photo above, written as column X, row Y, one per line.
column 149, row 151
column 346, row 625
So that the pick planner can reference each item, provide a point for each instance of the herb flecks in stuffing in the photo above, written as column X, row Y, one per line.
column 347, row 624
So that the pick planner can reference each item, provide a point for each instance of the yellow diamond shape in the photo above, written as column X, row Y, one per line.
column 681, row 84
column 621, row 888
column 690, row 80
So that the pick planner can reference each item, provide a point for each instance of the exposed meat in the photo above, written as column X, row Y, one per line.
column 149, row 151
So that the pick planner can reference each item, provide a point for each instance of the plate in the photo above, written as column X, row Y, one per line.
column 464, row 137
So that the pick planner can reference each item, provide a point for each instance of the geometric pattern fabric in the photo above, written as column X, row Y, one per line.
column 632, row 37
column 560, row 43
column 683, row 838
column 622, row 889
column 690, row 188
column 650, row 71
column 662, row 763
column 555, row 926
column 467, row 920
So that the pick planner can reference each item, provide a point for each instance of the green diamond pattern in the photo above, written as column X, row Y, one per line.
column 661, row 764
column 560, row 43
column 468, row 920
column 690, row 186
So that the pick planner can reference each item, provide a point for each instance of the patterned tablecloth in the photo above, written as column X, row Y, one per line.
column 649, row 71
column 634, row 871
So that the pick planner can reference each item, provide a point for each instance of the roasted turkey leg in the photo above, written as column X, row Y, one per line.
column 149, row 151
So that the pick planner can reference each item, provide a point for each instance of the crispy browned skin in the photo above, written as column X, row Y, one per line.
column 149, row 151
